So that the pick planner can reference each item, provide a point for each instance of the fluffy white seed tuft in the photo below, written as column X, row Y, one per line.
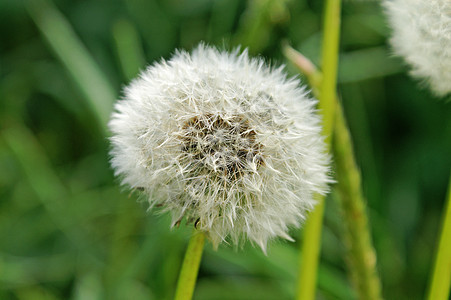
column 224, row 141
column 422, row 36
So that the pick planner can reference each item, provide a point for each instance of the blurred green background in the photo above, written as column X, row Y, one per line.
column 68, row 231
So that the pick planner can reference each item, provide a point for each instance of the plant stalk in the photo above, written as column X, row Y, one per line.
column 190, row 267
column 361, row 257
column 311, row 245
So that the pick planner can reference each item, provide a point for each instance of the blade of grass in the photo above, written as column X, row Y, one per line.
column 441, row 276
column 129, row 48
column 257, row 22
column 360, row 65
column 75, row 57
column 123, row 247
column 49, row 189
column 279, row 264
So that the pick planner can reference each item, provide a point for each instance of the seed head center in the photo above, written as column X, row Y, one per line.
column 221, row 144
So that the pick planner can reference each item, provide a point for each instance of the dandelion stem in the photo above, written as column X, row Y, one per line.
column 328, row 84
column 190, row 267
column 312, row 230
column 310, row 252
column 361, row 257
column 441, row 277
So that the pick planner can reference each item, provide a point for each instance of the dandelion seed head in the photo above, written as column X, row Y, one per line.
column 422, row 36
column 223, row 140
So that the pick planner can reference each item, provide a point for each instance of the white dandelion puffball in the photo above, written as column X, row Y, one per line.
column 222, row 140
column 422, row 36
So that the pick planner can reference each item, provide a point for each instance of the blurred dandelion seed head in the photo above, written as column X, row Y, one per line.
column 422, row 36
column 224, row 139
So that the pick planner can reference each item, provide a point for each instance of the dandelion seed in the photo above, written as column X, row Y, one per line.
column 223, row 140
column 422, row 36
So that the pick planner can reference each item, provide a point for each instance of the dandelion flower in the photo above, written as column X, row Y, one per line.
column 422, row 36
column 221, row 140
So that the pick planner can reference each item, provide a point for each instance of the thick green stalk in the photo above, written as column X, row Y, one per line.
column 330, row 49
column 441, row 277
column 310, row 252
column 312, row 231
column 362, row 257
column 190, row 267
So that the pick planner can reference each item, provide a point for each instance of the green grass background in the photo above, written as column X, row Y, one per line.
column 69, row 231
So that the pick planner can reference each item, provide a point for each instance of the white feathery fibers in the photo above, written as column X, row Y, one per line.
column 422, row 36
column 222, row 140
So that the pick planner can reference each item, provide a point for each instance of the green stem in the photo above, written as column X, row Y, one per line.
column 362, row 257
column 310, row 252
column 312, row 231
column 190, row 267
column 441, row 278
column 328, row 86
